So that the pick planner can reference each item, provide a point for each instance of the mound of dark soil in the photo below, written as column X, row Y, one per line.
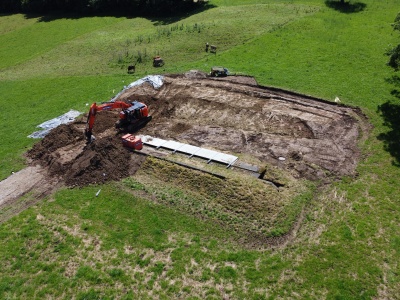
column 60, row 136
column 65, row 154
column 103, row 160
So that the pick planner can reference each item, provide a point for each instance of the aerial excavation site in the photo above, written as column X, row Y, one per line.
column 277, row 139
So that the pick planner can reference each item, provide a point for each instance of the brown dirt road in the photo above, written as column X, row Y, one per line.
column 23, row 189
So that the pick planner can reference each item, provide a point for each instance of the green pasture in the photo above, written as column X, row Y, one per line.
column 122, row 245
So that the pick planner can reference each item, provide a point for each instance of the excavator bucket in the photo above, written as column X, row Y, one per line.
column 89, row 136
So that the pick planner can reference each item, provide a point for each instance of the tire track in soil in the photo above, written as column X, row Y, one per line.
column 24, row 189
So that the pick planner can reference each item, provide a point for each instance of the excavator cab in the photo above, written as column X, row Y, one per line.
column 133, row 116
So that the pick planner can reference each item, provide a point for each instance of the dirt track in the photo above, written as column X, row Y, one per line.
column 23, row 189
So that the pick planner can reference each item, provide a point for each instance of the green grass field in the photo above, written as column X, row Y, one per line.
column 120, row 245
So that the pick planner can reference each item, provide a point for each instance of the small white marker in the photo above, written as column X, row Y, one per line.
column 98, row 192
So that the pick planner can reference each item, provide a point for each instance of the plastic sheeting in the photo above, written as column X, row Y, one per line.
column 155, row 80
column 53, row 123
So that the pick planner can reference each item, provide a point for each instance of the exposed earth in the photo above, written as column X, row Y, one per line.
column 308, row 137
column 317, row 139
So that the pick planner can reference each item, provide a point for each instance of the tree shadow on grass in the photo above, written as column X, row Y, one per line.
column 180, row 16
column 156, row 18
column 390, row 113
column 346, row 7
column 394, row 80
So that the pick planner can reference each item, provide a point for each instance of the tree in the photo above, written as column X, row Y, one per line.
column 394, row 54
column 129, row 7
column 396, row 24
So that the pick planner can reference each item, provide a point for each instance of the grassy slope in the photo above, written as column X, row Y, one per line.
column 348, row 246
column 251, row 207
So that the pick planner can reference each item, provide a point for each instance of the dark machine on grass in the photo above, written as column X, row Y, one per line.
column 219, row 72
column 158, row 61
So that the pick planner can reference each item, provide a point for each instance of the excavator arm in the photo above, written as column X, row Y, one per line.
column 94, row 108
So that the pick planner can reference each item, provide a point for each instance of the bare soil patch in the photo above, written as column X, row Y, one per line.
column 65, row 153
column 308, row 137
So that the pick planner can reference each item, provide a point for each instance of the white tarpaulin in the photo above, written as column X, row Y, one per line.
column 53, row 123
column 155, row 80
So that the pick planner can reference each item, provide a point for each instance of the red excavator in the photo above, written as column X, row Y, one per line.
column 133, row 116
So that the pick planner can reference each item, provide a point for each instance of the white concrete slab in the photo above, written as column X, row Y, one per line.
column 191, row 150
column 152, row 141
column 172, row 145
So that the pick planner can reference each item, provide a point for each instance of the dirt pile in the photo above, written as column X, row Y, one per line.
column 101, row 161
column 59, row 137
column 65, row 154
column 308, row 137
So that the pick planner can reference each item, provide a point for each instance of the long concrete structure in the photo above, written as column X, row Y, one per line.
column 191, row 150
